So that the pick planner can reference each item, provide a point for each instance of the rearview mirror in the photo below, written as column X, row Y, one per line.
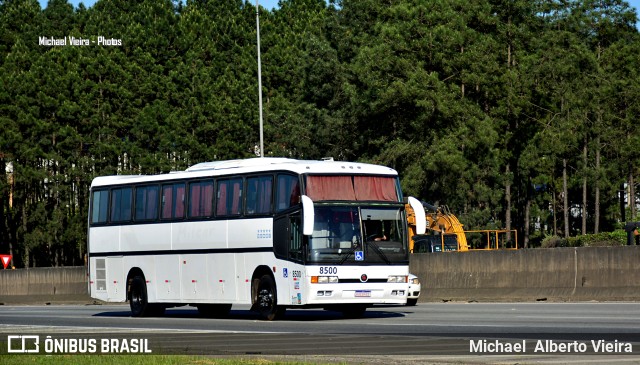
column 308, row 215
column 421, row 216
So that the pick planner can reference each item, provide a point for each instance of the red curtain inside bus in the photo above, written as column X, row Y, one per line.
column 375, row 188
column 173, row 201
column 204, row 202
column 330, row 188
column 221, row 202
column 237, row 194
column 167, row 201
column 179, row 200
column 340, row 187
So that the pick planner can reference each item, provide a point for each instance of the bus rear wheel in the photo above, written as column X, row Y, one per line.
column 138, row 299
column 267, row 301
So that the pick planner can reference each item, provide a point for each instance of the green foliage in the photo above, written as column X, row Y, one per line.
column 553, row 241
column 477, row 104
column 615, row 238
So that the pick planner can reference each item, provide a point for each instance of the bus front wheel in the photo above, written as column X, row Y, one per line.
column 267, row 302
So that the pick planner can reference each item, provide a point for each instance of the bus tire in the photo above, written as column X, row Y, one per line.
column 267, row 300
column 138, row 299
column 213, row 310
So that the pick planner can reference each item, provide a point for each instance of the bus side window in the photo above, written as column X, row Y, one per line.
column 121, row 204
column 288, row 192
column 200, row 199
column 173, row 201
column 229, row 197
column 259, row 195
column 179, row 199
column 146, row 203
column 100, row 206
column 167, row 201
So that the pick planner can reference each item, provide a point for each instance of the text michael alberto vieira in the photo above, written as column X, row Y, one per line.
column 550, row 346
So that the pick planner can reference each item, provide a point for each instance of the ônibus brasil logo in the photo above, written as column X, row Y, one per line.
column 24, row 344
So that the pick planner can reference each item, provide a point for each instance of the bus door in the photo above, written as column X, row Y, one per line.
column 288, row 244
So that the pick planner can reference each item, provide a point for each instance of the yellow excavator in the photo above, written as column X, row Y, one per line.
column 445, row 233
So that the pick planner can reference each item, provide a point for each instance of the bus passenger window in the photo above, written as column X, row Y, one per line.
column 100, row 206
column 200, row 199
column 259, row 195
column 121, row 204
column 167, row 201
column 146, row 203
column 229, row 197
column 288, row 192
column 173, row 201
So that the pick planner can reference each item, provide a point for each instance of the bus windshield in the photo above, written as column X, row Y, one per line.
column 360, row 234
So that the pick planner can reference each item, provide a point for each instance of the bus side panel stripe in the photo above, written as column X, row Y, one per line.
column 183, row 252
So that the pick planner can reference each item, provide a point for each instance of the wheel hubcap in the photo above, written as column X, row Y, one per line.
column 266, row 299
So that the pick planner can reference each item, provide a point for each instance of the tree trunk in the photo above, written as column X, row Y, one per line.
column 623, row 218
column 26, row 247
column 462, row 83
column 527, row 223
column 584, row 188
column 596, row 203
column 565, row 198
column 555, row 210
column 632, row 197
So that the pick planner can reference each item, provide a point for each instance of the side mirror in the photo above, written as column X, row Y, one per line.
column 421, row 216
column 308, row 215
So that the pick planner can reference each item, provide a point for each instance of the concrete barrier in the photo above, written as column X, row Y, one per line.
column 44, row 285
column 582, row 273
column 578, row 274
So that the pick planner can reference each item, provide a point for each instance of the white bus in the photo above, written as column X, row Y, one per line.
column 274, row 233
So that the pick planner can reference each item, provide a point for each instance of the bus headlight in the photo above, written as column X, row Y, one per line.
column 323, row 279
column 397, row 279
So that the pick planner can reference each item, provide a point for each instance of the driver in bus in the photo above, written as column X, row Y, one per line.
column 375, row 231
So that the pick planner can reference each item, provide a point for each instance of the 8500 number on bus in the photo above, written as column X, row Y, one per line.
column 328, row 270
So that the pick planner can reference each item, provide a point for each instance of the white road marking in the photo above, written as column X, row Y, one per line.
column 6, row 328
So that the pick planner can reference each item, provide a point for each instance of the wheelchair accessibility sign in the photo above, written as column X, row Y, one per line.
column 359, row 255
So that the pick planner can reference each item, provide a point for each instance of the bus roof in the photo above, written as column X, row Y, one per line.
column 260, row 164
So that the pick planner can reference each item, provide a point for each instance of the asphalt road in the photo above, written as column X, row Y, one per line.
column 426, row 333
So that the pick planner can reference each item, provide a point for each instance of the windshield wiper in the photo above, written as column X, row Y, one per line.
column 349, row 252
column 377, row 250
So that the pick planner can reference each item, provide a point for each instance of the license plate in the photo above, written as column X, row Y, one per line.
column 363, row 293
